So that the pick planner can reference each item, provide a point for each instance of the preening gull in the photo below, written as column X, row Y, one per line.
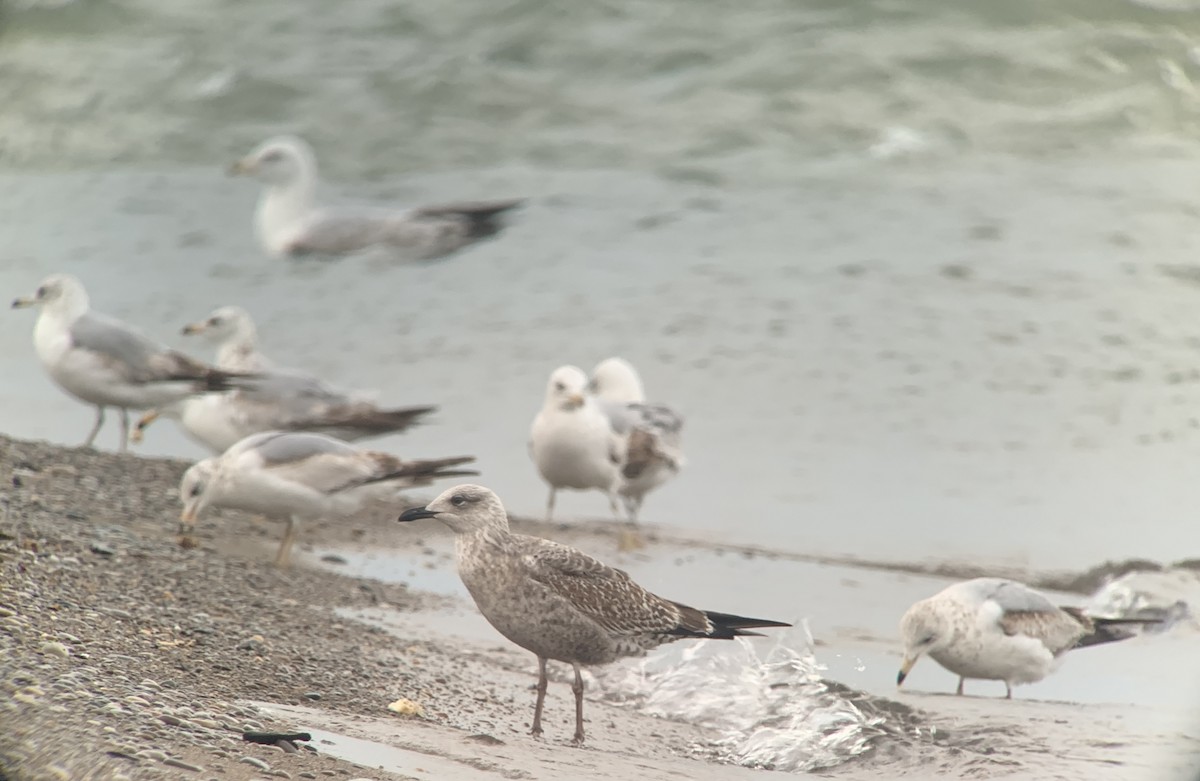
column 277, row 400
column 288, row 222
column 302, row 476
column 572, row 442
column 1000, row 630
column 653, row 450
column 107, row 363
column 560, row 603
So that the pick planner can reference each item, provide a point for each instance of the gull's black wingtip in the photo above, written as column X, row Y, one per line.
column 742, row 622
column 727, row 626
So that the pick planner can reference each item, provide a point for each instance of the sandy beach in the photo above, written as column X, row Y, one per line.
column 127, row 655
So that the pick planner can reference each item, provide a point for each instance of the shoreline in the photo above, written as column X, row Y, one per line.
column 127, row 656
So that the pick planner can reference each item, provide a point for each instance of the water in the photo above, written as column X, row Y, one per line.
column 769, row 710
column 642, row 84
column 920, row 275
column 852, row 612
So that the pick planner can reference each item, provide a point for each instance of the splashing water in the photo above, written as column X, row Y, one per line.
column 771, row 712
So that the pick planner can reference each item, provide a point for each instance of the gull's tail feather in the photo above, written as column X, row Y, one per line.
column 727, row 626
column 1109, row 630
column 425, row 471
column 718, row 626
column 175, row 366
column 368, row 419
column 483, row 218
column 220, row 380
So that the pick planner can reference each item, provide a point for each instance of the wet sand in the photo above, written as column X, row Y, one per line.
column 127, row 655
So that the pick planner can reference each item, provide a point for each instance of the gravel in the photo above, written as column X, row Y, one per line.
column 123, row 654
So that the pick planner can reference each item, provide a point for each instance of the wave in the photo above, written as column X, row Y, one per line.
column 772, row 711
column 739, row 89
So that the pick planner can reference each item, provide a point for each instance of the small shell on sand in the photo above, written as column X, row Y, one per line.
column 406, row 707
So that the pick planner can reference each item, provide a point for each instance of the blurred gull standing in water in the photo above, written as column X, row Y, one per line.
column 278, row 400
column 302, row 476
column 653, row 450
column 107, row 363
column 572, row 442
column 560, row 603
column 1001, row 630
column 288, row 221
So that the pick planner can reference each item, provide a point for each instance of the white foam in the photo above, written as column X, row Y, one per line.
column 773, row 711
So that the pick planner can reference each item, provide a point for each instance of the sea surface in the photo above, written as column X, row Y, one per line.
column 922, row 276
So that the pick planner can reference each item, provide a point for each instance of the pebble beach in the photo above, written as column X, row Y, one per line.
column 128, row 655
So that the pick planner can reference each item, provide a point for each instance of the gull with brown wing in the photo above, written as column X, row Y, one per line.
column 651, row 432
column 558, row 602
column 1001, row 630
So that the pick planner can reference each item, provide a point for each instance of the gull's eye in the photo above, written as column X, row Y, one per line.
column 458, row 500
column 196, row 490
column 214, row 321
column 41, row 292
column 558, row 386
column 927, row 639
column 273, row 156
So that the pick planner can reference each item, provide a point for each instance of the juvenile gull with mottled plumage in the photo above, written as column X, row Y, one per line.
column 1000, row 630
column 558, row 602
column 303, row 476
column 652, row 432
column 107, row 363
column 277, row 400
column 288, row 221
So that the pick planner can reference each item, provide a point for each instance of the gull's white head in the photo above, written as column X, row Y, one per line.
column 60, row 293
column 279, row 161
column 196, row 489
column 464, row 508
column 615, row 379
column 225, row 324
column 565, row 389
column 923, row 630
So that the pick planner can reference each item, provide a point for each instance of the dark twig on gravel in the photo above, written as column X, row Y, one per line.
column 270, row 738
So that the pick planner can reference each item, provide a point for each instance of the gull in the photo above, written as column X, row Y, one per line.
column 1000, row 630
column 276, row 400
column 572, row 442
column 653, row 453
column 558, row 602
column 106, row 363
column 289, row 223
column 302, row 476
column 233, row 332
